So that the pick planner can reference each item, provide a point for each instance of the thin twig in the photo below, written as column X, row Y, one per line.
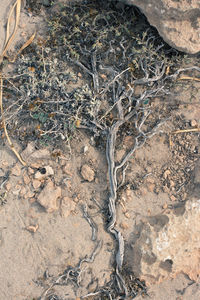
column 91, row 223
column 186, row 130
column 188, row 78
column 4, row 126
column 176, row 74
column 73, row 273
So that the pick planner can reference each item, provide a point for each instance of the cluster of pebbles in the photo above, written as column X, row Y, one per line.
column 46, row 181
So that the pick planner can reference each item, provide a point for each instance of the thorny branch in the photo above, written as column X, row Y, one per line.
column 113, row 168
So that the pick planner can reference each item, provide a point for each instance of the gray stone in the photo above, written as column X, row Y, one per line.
column 163, row 246
column 178, row 22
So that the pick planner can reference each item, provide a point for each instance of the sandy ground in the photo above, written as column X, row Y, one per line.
column 37, row 246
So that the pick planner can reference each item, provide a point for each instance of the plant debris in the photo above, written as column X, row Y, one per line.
column 102, row 43
column 85, row 75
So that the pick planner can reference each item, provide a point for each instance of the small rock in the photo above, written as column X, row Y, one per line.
column 166, row 174
column 173, row 198
column 30, row 171
column 30, row 194
column 149, row 212
column 23, row 191
column 127, row 215
column 32, row 228
column 8, row 186
column 49, row 196
column 103, row 76
column 85, row 149
column 165, row 206
column 194, row 123
column 16, row 171
column 36, row 183
column 49, row 170
column 68, row 205
column 129, row 194
column 26, row 179
column 17, row 190
column 44, row 172
column 87, row 173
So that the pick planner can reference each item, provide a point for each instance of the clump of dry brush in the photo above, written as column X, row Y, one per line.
column 123, row 65
column 111, row 48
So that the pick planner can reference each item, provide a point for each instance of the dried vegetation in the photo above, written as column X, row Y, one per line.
column 100, row 68
column 93, row 55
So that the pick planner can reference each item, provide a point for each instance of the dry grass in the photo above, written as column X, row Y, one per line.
column 16, row 8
